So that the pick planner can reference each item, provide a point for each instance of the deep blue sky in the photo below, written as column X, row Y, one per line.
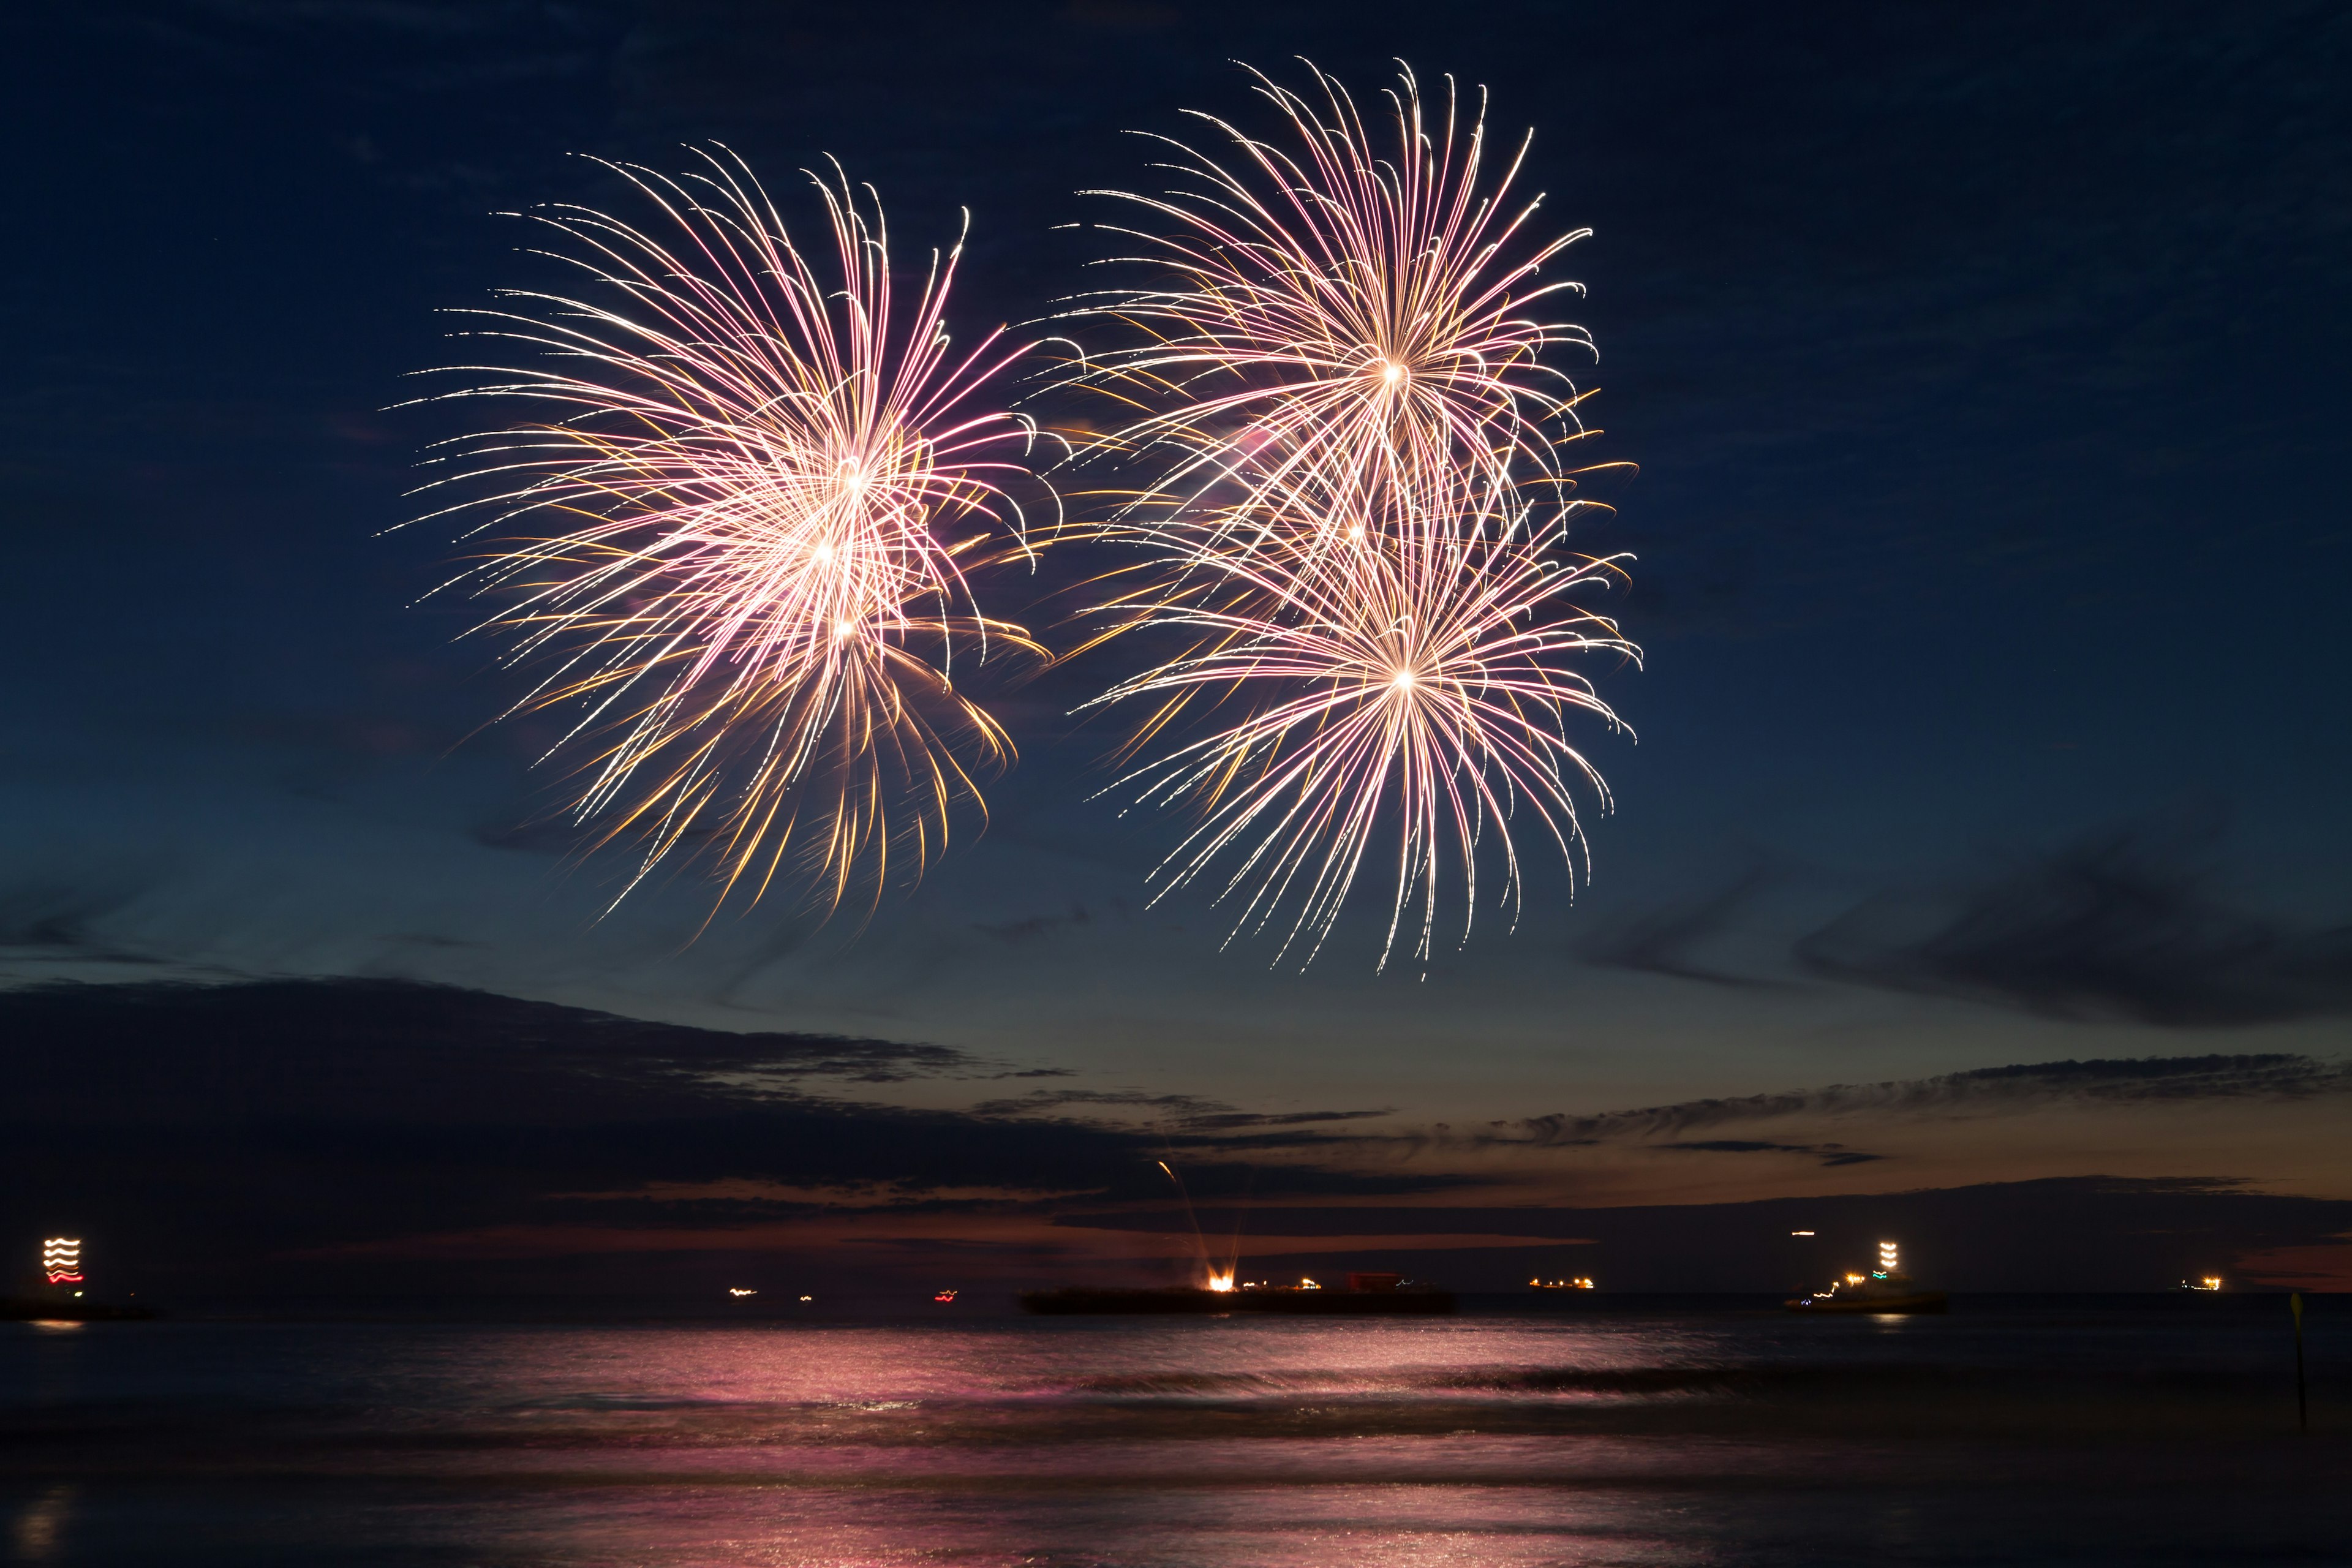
column 1984, row 368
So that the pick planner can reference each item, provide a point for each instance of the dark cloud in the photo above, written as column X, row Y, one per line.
column 1665, row 940
column 212, row 1129
column 2116, row 929
column 2135, row 1079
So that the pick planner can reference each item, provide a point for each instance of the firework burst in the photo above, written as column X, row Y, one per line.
column 1351, row 304
column 1356, row 510
column 1404, row 687
column 739, row 551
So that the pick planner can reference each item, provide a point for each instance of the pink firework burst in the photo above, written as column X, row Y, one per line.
column 739, row 550
column 1347, row 301
column 1356, row 507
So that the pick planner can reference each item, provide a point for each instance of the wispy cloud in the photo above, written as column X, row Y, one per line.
column 2120, row 927
column 1176, row 1112
column 1013, row 933
column 1666, row 940
column 2139, row 1079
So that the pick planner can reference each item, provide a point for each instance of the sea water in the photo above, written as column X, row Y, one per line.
column 2025, row 1431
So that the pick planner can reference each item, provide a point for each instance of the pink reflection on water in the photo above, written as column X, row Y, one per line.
column 1178, row 1443
column 1020, row 1360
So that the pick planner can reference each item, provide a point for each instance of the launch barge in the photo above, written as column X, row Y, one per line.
column 1885, row 1288
column 1367, row 1295
column 56, row 1295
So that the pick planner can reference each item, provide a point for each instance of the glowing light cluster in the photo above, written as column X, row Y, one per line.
column 740, row 549
column 1355, row 513
column 61, row 1260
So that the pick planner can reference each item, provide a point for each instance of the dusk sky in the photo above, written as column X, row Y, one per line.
column 1980, row 869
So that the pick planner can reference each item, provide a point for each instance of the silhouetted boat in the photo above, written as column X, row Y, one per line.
column 1885, row 1288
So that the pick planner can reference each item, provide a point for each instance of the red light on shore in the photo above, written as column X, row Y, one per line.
column 944, row 1297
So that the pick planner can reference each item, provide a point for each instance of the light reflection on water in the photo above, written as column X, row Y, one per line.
column 1663, row 1439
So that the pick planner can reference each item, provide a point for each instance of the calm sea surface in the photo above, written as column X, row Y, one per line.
column 2094, row 1432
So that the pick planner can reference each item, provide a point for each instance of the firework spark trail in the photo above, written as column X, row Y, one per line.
column 767, row 488
column 1355, row 436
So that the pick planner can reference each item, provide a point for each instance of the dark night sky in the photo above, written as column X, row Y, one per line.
column 1984, row 368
